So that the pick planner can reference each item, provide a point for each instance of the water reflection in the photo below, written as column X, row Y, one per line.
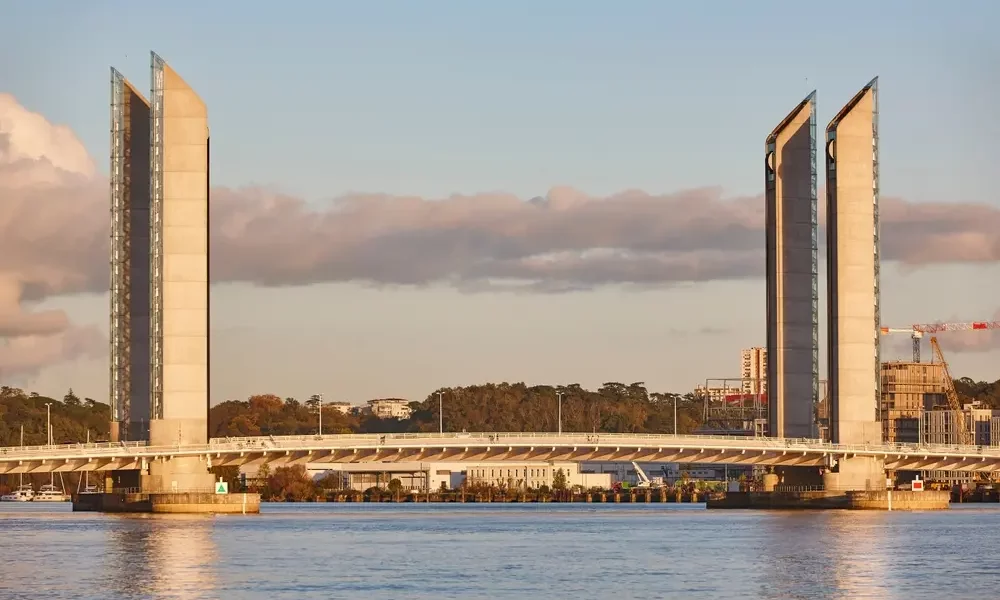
column 856, row 546
column 424, row 552
column 162, row 556
column 830, row 555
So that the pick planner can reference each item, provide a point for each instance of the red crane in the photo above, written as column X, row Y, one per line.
column 918, row 331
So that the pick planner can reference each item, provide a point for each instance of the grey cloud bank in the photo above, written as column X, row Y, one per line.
column 55, row 228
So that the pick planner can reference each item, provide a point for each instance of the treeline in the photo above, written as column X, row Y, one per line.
column 612, row 408
column 72, row 418
column 983, row 391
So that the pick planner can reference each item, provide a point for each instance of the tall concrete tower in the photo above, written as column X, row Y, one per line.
column 179, row 328
column 130, row 282
column 852, row 199
column 792, row 273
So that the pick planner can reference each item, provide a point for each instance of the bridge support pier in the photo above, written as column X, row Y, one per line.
column 178, row 474
column 856, row 474
column 800, row 476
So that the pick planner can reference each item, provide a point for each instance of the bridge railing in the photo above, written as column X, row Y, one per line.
column 582, row 438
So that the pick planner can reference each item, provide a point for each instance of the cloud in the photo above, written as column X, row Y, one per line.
column 54, row 234
column 51, row 239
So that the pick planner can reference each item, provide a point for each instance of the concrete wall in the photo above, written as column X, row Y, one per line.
column 792, row 367
column 183, row 402
column 138, row 169
column 852, row 271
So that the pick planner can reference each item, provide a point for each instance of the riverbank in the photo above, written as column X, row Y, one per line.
column 626, row 497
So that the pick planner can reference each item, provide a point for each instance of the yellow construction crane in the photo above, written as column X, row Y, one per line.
column 954, row 403
column 965, row 436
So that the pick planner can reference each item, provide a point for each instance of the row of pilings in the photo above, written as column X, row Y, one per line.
column 637, row 496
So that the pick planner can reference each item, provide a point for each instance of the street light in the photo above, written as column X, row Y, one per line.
column 559, row 396
column 321, row 415
column 440, row 413
column 675, row 414
column 48, row 421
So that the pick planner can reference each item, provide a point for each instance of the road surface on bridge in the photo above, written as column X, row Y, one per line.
column 495, row 447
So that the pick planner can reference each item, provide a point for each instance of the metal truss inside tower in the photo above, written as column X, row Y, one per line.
column 873, row 86
column 156, row 65
column 121, row 379
column 814, row 223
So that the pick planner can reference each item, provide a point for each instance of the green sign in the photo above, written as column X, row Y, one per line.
column 221, row 487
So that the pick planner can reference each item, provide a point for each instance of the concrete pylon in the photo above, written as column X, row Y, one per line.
column 853, row 288
column 792, row 273
column 179, row 296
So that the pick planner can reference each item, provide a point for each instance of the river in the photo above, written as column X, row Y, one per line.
column 499, row 551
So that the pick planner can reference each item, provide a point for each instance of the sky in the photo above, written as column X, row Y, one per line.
column 416, row 195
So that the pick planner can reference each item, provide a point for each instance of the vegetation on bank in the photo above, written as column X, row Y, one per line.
column 612, row 408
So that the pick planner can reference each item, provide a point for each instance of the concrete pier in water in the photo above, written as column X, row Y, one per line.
column 833, row 499
column 168, row 502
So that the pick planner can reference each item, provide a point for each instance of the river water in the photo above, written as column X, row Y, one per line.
column 500, row 551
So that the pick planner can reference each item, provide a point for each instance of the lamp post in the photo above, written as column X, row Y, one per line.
column 675, row 415
column 559, row 396
column 48, row 422
column 321, row 415
column 440, row 413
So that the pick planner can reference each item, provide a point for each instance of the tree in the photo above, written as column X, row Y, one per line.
column 71, row 399
column 395, row 486
column 332, row 480
column 559, row 480
column 313, row 402
column 290, row 484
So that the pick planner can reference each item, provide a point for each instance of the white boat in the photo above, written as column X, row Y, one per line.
column 24, row 491
column 50, row 493
column 22, row 494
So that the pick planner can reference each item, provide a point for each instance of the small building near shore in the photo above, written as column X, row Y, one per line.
column 420, row 476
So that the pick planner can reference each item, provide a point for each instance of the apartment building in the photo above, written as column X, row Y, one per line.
column 753, row 370
column 390, row 408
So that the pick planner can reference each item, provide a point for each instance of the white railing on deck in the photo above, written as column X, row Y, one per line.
column 480, row 439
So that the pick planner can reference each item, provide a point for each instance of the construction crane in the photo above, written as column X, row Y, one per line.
column 914, row 333
column 951, row 393
column 917, row 331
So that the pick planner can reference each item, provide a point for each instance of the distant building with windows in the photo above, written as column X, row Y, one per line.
column 753, row 370
column 390, row 408
column 344, row 408
column 719, row 394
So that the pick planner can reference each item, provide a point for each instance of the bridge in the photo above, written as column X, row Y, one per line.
column 493, row 447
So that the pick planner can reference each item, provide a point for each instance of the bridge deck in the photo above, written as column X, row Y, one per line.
column 507, row 447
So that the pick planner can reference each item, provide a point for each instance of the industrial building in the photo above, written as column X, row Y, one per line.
column 791, row 219
column 852, row 220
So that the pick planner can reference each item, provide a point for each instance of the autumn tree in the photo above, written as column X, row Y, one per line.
column 290, row 484
column 559, row 480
